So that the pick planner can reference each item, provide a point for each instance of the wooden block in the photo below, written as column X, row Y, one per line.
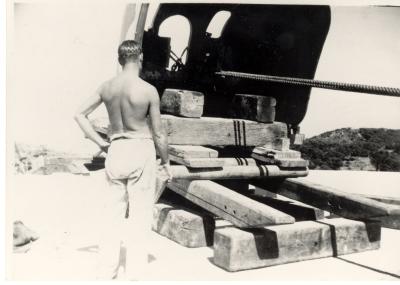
column 197, row 162
column 341, row 203
column 254, row 107
column 227, row 204
column 235, row 172
column 292, row 163
column 281, row 144
column 236, row 249
column 212, row 131
column 192, row 151
column 78, row 167
column 183, row 226
column 182, row 103
column 297, row 139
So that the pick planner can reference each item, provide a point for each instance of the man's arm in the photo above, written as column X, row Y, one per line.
column 159, row 136
column 81, row 118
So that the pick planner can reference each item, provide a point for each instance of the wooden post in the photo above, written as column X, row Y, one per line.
column 141, row 23
column 254, row 107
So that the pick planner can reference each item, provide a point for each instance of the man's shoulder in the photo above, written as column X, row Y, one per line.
column 148, row 87
column 105, row 85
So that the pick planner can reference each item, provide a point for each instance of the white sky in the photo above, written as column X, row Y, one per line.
column 62, row 52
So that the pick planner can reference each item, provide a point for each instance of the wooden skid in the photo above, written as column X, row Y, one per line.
column 236, row 249
column 212, row 131
column 229, row 205
column 344, row 204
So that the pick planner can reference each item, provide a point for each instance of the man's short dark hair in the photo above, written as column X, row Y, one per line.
column 128, row 50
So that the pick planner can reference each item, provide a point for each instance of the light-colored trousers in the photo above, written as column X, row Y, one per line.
column 130, row 169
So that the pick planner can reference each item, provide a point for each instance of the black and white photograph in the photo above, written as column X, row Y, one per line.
column 223, row 140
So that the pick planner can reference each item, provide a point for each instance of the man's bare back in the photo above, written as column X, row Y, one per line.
column 128, row 102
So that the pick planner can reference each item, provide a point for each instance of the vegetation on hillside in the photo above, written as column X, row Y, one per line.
column 332, row 150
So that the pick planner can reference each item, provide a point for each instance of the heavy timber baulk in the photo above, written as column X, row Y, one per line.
column 231, row 129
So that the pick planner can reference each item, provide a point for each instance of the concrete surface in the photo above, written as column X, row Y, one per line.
column 62, row 208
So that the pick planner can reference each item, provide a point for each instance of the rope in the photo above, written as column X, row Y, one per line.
column 361, row 88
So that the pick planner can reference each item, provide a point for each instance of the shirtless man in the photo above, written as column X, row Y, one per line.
column 130, row 164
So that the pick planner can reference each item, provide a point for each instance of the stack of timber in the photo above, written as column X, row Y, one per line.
column 214, row 162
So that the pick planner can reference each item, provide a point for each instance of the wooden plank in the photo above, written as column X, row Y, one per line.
column 235, row 161
column 261, row 151
column 344, row 204
column 254, row 107
column 197, row 162
column 212, row 131
column 235, row 172
column 229, row 205
column 192, row 151
column 292, row 163
column 182, row 103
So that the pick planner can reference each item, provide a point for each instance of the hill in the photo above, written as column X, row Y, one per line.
column 354, row 149
column 39, row 159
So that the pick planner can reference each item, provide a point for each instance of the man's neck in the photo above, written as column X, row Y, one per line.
column 131, row 68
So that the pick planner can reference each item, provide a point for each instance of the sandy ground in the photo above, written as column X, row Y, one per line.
column 63, row 209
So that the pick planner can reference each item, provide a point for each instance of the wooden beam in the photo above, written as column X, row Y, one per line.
column 235, row 172
column 240, row 249
column 221, row 131
column 344, row 204
column 212, row 131
column 182, row 103
column 229, row 205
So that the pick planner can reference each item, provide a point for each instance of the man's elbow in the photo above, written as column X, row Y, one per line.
column 78, row 117
column 159, row 135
